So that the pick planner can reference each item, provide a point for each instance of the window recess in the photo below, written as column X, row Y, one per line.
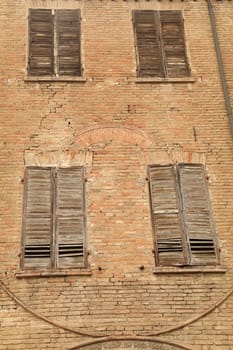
column 54, row 43
column 160, row 44
column 181, row 216
column 54, row 218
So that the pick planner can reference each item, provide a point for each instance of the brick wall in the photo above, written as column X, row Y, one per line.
column 115, row 127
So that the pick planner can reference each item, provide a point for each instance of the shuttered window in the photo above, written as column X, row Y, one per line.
column 54, row 43
column 54, row 218
column 181, row 215
column 160, row 44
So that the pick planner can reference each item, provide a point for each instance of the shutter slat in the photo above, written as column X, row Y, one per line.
column 147, row 42
column 167, row 220
column 37, row 217
column 69, row 42
column 197, row 216
column 174, row 44
column 70, row 217
column 37, row 256
column 70, row 254
column 40, row 42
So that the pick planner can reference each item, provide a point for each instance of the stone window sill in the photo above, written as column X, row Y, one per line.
column 189, row 270
column 165, row 80
column 56, row 79
column 50, row 273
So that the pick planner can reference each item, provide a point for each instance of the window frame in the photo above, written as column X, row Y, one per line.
column 187, row 252
column 54, row 234
column 55, row 75
column 164, row 77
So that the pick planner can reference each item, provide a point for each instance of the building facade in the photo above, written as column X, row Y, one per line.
column 116, row 175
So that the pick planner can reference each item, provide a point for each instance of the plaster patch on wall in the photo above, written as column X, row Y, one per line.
column 176, row 156
column 55, row 4
column 63, row 158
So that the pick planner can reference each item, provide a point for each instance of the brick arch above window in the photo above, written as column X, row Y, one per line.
column 130, row 343
column 110, row 132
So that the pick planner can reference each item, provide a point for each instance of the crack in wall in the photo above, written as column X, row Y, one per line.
column 54, row 130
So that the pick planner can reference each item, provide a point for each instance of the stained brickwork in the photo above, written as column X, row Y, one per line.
column 115, row 126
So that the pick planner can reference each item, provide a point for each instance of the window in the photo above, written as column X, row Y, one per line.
column 160, row 44
column 184, row 233
column 54, row 218
column 54, row 43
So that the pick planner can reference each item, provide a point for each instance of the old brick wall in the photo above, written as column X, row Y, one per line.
column 116, row 127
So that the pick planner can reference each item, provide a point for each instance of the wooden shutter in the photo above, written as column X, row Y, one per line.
column 41, row 42
column 68, row 42
column 146, row 26
column 166, row 216
column 37, row 222
column 197, row 217
column 70, row 217
column 173, row 44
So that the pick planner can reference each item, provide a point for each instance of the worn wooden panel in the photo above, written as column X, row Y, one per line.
column 197, row 216
column 166, row 214
column 173, row 43
column 164, row 188
column 41, row 42
column 37, row 256
column 147, row 43
column 37, row 225
column 68, row 42
column 169, row 238
column 70, row 225
column 71, row 255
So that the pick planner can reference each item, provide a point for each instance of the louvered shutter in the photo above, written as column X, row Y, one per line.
column 146, row 28
column 173, row 43
column 68, row 42
column 166, row 215
column 198, row 221
column 37, row 222
column 41, row 61
column 70, row 217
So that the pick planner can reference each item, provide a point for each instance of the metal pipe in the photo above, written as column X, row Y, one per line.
column 220, row 66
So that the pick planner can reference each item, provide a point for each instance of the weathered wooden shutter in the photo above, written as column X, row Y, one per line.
column 41, row 55
column 68, row 42
column 146, row 26
column 196, row 212
column 173, row 44
column 166, row 215
column 70, row 225
column 37, row 221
